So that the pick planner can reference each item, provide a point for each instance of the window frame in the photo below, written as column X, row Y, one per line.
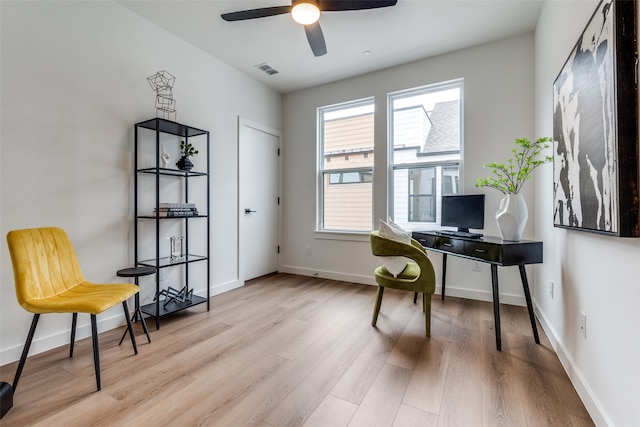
column 368, row 102
column 392, row 167
column 411, row 195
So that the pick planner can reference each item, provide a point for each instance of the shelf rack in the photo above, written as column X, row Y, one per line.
column 158, row 308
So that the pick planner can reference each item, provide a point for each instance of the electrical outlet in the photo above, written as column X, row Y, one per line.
column 583, row 325
column 477, row 266
column 552, row 286
column 308, row 249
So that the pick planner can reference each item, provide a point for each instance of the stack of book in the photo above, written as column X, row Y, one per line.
column 175, row 210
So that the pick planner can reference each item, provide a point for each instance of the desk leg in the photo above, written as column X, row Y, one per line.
column 496, row 305
column 444, row 273
column 527, row 295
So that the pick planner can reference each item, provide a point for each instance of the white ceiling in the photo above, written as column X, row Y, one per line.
column 408, row 31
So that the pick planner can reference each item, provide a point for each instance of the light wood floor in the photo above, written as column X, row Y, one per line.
column 289, row 350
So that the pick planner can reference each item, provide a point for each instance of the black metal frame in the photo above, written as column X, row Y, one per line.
column 136, row 273
column 160, row 126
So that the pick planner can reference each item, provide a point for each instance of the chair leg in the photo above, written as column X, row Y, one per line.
column 72, row 342
column 415, row 297
column 25, row 351
column 426, row 302
column 376, row 309
column 130, row 327
column 96, row 350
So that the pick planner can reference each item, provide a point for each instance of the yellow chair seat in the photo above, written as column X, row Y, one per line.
column 86, row 297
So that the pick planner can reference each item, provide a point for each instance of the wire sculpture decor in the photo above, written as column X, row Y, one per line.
column 162, row 83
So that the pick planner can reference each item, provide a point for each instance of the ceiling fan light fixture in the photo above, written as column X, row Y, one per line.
column 305, row 12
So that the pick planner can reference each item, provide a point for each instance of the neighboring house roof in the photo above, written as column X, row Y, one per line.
column 444, row 134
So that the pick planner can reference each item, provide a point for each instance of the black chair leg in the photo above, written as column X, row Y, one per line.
column 415, row 297
column 74, row 320
column 130, row 327
column 25, row 351
column 96, row 350
column 376, row 309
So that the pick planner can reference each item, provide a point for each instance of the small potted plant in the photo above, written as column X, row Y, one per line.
column 186, row 150
column 509, row 178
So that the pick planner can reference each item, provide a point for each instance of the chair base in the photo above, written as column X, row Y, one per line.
column 6, row 398
column 426, row 308
column 94, row 339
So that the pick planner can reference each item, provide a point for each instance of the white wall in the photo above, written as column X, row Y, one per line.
column 73, row 83
column 498, row 107
column 592, row 273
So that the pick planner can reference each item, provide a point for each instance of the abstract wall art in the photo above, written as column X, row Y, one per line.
column 595, row 127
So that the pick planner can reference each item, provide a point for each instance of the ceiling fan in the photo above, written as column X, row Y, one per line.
column 307, row 13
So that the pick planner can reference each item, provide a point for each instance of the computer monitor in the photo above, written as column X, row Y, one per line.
column 463, row 211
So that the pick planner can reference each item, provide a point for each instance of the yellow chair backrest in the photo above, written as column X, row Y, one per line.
column 44, row 263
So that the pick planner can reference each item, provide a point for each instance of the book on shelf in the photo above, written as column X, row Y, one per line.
column 186, row 209
column 176, row 210
column 177, row 205
column 174, row 213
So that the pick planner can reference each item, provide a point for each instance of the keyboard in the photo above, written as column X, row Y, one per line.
column 460, row 234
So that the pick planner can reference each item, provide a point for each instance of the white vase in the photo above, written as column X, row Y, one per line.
column 512, row 217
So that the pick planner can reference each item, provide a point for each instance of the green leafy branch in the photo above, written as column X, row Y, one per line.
column 510, row 177
column 187, row 149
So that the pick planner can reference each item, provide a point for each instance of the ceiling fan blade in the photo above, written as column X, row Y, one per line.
column 316, row 39
column 255, row 13
column 337, row 5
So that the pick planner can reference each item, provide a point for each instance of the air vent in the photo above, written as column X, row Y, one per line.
column 267, row 68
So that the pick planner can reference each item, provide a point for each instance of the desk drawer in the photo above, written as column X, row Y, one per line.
column 482, row 250
column 450, row 245
column 425, row 240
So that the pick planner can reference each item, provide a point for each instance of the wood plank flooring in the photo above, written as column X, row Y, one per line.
column 289, row 350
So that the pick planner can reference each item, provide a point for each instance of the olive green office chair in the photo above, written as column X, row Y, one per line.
column 418, row 276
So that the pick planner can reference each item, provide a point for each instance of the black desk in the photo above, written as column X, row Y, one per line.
column 491, row 250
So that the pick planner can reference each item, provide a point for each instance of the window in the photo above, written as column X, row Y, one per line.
column 422, row 194
column 346, row 157
column 349, row 177
column 424, row 151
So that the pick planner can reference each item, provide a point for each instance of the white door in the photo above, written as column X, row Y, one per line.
column 258, row 169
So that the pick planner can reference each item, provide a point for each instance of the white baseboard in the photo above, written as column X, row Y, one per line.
column 225, row 287
column 332, row 275
column 369, row 280
column 588, row 397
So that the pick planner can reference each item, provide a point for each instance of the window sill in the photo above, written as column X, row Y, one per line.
column 352, row 236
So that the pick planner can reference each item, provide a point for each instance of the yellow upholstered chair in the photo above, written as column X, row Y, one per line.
column 418, row 276
column 48, row 280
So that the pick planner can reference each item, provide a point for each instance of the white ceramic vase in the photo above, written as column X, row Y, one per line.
column 512, row 217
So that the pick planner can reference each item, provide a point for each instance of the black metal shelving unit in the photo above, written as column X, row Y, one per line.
column 159, row 126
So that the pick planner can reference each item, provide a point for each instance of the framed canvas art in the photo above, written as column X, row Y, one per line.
column 595, row 127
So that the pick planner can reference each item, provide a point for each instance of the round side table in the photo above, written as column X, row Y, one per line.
column 136, row 272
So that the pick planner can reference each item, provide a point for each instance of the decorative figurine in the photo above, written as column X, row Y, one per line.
column 162, row 83
column 165, row 157
column 176, row 250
